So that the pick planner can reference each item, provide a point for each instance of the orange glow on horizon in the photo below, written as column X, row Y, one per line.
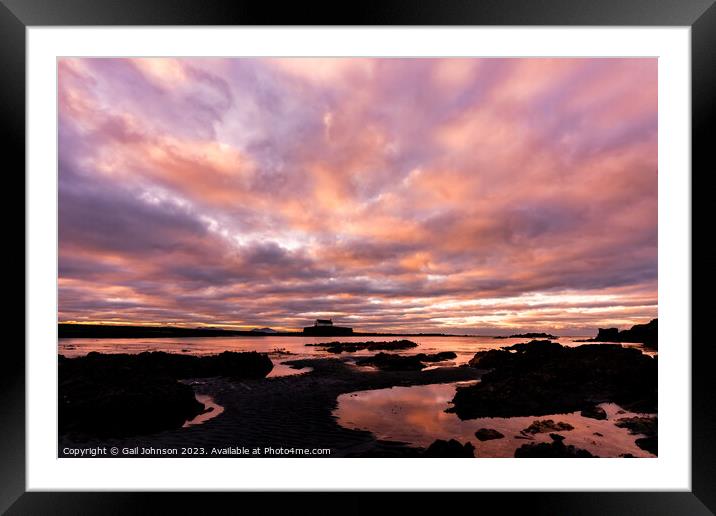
column 394, row 195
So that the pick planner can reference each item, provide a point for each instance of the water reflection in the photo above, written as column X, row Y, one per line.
column 286, row 347
column 211, row 410
column 416, row 415
column 281, row 369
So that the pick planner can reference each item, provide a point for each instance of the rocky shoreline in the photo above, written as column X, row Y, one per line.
column 288, row 411
column 142, row 400
column 123, row 394
column 543, row 377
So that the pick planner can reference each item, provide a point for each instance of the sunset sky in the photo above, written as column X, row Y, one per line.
column 453, row 195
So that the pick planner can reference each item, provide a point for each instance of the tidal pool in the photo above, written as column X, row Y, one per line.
column 416, row 415
column 211, row 410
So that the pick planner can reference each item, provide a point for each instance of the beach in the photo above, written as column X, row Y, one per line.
column 316, row 403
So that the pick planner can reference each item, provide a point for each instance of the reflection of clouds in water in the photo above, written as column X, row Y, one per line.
column 211, row 410
column 465, row 347
column 417, row 415
column 281, row 369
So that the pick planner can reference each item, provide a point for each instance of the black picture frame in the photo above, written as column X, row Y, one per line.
column 17, row 15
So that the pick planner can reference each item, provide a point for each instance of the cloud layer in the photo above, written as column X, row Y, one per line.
column 456, row 195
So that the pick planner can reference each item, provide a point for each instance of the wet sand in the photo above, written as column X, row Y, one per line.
column 282, row 412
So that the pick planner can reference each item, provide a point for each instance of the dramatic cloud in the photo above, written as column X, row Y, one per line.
column 456, row 195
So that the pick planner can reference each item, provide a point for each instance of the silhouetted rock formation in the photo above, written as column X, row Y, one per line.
column 594, row 412
column 546, row 425
column 542, row 378
column 228, row 363
column 393, row 362
column 488, row 434
column 644, row 425
column 352, row 347
column 486, row 359
column 555, row 449
column 449, row 449
column 608, row 334
column 647, row 334
column 650, row 444
column 120, row 402
column 120, row 395
column 436, row 357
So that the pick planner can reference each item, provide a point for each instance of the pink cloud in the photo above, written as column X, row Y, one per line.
column 422, row 194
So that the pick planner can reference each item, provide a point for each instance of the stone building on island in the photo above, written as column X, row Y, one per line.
column 325, row 328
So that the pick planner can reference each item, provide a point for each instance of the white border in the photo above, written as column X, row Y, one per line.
column 671, row 470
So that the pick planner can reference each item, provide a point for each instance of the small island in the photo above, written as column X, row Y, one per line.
column 531, row 335
column 325, row 328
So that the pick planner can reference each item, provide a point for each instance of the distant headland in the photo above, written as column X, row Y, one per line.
column 117, row 331
column 528, row 336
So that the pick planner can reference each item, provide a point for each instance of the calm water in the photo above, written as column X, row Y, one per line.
column 211, row 410
column 282, row 349
column 416, row 415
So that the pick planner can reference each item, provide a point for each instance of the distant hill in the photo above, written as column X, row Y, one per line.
column 112, row 331
column 263, row 330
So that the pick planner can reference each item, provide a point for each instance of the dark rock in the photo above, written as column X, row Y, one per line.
column 449, row 449
column 608, row 334
column 639, row 425
column 122, row 395
column 648, row 334
column 487, row 434
column 123, row 402
column 542, row 377
column 352, row 347
column 547, row 425
column 598, row 434
column 237, row 365
column 436, row 357
column 229, row 363
column 495, row 357
column 388, row 449
column 556, row 449
column 594, row 412
column 545, row 346
column 650, row 444
column 392, row 362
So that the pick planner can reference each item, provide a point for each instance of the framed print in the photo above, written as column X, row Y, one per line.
column 448, row 248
